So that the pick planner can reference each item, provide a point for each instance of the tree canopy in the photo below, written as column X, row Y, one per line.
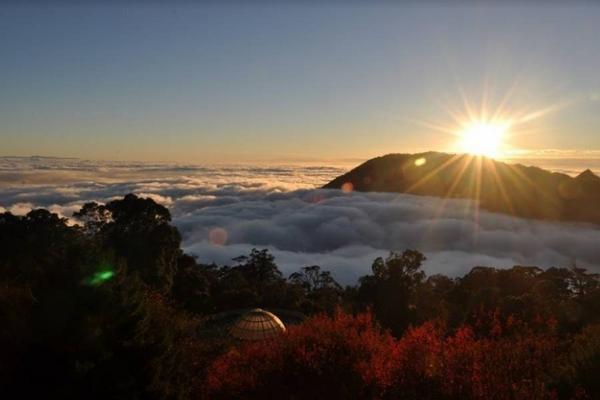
column 111, row 307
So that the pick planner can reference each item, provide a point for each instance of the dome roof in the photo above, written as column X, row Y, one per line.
column 257, row 324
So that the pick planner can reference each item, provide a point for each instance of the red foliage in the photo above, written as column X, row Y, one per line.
column 339, row 357
column 499, row 367
column 350, row 357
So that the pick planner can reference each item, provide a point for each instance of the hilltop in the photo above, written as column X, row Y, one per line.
column 514, row 189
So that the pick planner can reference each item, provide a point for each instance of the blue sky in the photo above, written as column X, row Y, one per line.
column 208, row 83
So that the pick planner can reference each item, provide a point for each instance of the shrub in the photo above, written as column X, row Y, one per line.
column 349, row 357
column 339, row 357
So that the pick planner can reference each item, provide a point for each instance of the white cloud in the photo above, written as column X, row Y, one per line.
column 344, row 232
column 20, row 208
column 279, row 208
column 65, row 210
column 163, row 200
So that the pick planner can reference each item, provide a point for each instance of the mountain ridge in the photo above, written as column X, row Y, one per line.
column 514, row 189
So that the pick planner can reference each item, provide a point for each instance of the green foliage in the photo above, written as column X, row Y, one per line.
column 321, row 292
column 583, row 362
column 114, row 309
column 392, row 289
column 139, row 231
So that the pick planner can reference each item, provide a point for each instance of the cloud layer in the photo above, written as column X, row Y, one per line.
column 224, row 211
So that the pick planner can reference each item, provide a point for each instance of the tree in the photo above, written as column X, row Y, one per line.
column 391, row 290
column 259, row 267
column 582, row 366
column 49, row 309
column 349, row 357
column 333, row 358
column 138, row 230
column 113, row 309
column 313, row 279
column 432, row 299
column 322, row 292
column 194, row 285
column 94, row 217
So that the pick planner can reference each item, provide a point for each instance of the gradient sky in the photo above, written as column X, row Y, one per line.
column 289, row 82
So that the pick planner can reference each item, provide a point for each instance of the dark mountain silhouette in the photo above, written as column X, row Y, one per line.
column 514, row 189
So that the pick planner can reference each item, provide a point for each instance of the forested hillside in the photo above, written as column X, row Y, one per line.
column 512, row 189
column 111, row 307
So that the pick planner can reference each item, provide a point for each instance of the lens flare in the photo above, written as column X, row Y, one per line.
column 105, row 273
column 218, row 236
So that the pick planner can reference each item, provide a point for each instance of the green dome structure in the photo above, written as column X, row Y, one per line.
column 257, row 324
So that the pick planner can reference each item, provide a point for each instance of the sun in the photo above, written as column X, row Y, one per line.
column 483, row 138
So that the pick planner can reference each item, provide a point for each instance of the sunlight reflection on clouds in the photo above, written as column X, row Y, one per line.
column 222, row 212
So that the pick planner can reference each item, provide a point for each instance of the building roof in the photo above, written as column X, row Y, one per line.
column 257, row 324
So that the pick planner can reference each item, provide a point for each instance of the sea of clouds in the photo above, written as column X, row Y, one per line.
column 224, row 211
